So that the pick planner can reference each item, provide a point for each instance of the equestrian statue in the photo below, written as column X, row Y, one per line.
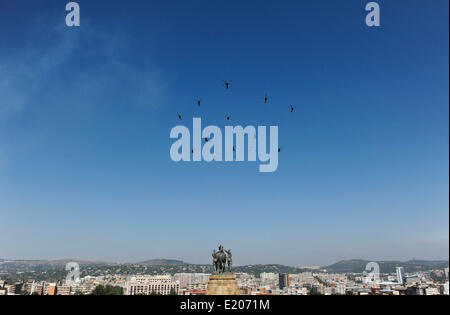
column 221, row 259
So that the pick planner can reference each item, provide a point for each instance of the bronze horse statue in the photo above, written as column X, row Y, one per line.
column 219, row 260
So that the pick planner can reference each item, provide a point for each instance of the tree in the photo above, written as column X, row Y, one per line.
column 173, row 291
column 107, row 290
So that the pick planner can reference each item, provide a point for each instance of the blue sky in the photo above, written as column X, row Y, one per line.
column 85, row 117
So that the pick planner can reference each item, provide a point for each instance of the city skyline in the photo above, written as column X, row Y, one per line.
column 367, row 278
column 86, row 113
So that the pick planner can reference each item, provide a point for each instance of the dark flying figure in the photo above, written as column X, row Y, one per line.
column 266, row 98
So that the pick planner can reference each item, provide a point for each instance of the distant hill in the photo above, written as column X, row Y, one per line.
column 359, row 265
column 275, row 268
column 343, row 266
column 60, row 262
column 427, row 262
column 161, row 262
column 63, row 262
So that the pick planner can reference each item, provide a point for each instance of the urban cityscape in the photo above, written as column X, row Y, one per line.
column 224, row 149
column 171, row 277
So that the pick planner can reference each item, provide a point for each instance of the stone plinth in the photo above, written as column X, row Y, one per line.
column 222, row 284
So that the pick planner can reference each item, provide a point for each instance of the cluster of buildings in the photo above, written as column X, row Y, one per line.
column 45, row 288
column 323, row 283
column 267, row 283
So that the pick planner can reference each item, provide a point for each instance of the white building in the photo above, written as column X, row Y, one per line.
column 432, row 291
column 145, row 285
column 400, row 275
column 268, row 276
column 188, row 280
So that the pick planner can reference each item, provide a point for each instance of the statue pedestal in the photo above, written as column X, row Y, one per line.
column 222, row 284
